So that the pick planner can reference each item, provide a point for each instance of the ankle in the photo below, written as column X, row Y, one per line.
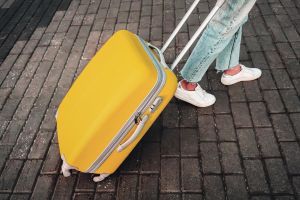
column 233, row 71
column 188, row 86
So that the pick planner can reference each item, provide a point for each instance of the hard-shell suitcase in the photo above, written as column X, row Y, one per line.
column 99, row 124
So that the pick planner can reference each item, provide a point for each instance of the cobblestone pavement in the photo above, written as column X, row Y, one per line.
column 244, row 147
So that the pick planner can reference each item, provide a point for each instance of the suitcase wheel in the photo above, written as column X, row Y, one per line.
column 56, row 114
column 100, row 177
column 66, row 168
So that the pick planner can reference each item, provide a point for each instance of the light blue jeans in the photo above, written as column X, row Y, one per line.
column 220, row 40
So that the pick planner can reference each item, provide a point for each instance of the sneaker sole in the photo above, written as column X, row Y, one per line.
column 240, row 80
column 178, row 96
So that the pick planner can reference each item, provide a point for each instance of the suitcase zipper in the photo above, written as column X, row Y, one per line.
column 161, row 79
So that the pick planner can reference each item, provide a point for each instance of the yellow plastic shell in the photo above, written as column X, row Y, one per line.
column 102, row 99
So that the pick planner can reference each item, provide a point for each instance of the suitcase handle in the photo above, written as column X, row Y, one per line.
column 160, row 54
column 136, row 133
column 196, row 34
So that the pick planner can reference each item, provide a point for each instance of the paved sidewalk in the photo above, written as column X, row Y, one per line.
column 247, row 146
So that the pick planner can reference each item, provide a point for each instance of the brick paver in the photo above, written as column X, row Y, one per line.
column 246, row 146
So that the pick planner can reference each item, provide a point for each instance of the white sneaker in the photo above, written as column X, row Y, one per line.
column 199, row 97
column 246, row 74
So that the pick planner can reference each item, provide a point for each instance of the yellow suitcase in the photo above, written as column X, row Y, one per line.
column 113, row 103
column 98, row 124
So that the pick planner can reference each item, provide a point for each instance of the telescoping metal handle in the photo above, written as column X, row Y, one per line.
column 136, row 133
column 196, row 34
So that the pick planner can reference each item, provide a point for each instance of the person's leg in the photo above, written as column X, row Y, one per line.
column 228, row 62
column 215, row 38
column 230, row 55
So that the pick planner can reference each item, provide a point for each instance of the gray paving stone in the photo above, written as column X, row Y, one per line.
column 190, row 175
column 4, row 196
column 284, row 198
column 104, row 196
column 24, row 108
column 291, row 151
column 4, row 153
column 267, row 142
column 207, row 130
column 170, row 118
column 274, row 59
column 278, row 176
column 259, row 60
column 252, row 91
column 214, row 80
column 28, row 176
column 9, row 108
column 275, row 28
column 247, row 142
column 132, row 163
column 296, row 184
column 192, row 197
column 266, row 81
column 169, row 196
column 40, row 145
column 295, row 117
column 282, row 79
column 12, row 132
column 210, row 158
column 108, row 184
column 85, row 183
column 170, row 145
column 259, row 114
column 3, row 126
column 150, row 161
column 15, row 196
column 44, row 187
column 24, row 80
column 241, row 115
column 214, row 189
column 49, row 121
column 148, row 187
column 83, row 196
column 285, row 50
column 169, row 180
column 252, row 44
column 155, row 131
column 230, row 158
column 291, row 100
column 283, row 127
column 64, row 187
column 292, row 66
column 266, row 41
column 256, row 176
column 10, row 174
column 225, row 128
column 189, row 142
column 273, row 101
column 236, row 187
column 52, row 162
column 127, row 188
column 222, row 102
column 260, row 197
column 188, row 116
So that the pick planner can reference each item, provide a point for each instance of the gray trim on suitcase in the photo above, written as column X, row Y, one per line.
column 161, row 80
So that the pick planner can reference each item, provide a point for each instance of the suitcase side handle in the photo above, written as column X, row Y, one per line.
column 196, row 34
column 160, row 54
column 136, row 133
